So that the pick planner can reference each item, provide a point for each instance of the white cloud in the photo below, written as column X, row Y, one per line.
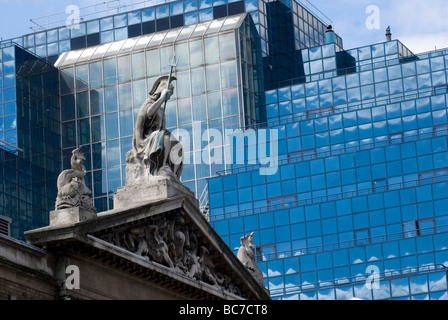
column 419, row 43
column 420, row 25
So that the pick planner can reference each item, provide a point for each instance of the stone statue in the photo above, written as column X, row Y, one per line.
column 246, row 255
column 155, row 151
column 72, row 190
column 173, row 242
column 153, row 245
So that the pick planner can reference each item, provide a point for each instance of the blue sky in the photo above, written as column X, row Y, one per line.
column 420, row 25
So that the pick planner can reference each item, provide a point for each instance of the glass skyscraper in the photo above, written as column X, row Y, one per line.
column 354, row 205
column 360, row 195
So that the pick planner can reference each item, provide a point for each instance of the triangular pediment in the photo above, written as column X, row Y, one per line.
column 167, row 242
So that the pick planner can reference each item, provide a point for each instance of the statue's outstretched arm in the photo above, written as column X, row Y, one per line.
column 152, row 106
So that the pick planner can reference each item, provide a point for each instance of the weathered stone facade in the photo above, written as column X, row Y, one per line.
column 26, row 272
column 161, row 248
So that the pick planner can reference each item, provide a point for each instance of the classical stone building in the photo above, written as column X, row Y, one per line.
column 163, row 249
column 26, row 272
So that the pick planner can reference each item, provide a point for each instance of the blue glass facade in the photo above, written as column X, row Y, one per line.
column 100, row 117
column 102, row 89
column 355, row 205
column 30, row 149
column 308, row 29
column 361, row 182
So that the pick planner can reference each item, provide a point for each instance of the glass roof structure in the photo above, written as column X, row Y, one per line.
column 165, row 37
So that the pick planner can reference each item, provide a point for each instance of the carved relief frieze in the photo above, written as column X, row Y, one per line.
column 170, row 241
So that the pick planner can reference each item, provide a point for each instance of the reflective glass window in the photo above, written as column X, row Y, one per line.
column 197, row 81
column 316, row 66
column 227, row 46
column 184, row 111
column 191, row 18
column 366, row 77
column 112, row 125
column 126, row 126
column 152, row 63
column 182, row 56
column 8, row 67
column 110, row 98
column 107, row 36
column 176, row 8
column 68, row 134
column 183, row 84
column 162, row 11
column 95, row 74
column 199, row 108
column 124, row 96
column 110, row 71
column 396, row 86
column 124, row 68
column 134, row 17
column 344, row 293
column 205, row 4
column 190, row 5
column 373, row 252
column 377, row 50
column 148, row 14
column 380, row 74
column 437, row 64
column 315, row 53
column 41, row 38
column 437, row 281
column 422, row 66
column 213, row 80
column 408, row 69
column 339, row 83
column 352, row 80
column 171, row 115
column 214, row 105
column 329, row 64
column 98, row 129
column 211, row 50
column 410, row 83
column 113, row 153
column 82, row 104
column 298, row 91
column 424, row 81
column 96, row 101
column 113, row 179
column 228, row 74
column 307, row 263
column 82, row 77
column 230, row 102
column 68, row 107
column 382, row 89
column 138, row 60
column 354, row 95
column 364, row 53
column 107, row 23
column 340, row 97
column 196, row 53
column 311, row 89
column 10, row 122
column 438, row 78
column 400, row 287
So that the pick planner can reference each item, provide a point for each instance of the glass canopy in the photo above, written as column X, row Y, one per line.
column 151, row 40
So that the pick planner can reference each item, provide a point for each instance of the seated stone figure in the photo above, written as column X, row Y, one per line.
column 155, row 151
column 246, row 255
column 72, row 190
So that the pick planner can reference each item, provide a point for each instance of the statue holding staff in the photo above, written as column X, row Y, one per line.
column 155, row 151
